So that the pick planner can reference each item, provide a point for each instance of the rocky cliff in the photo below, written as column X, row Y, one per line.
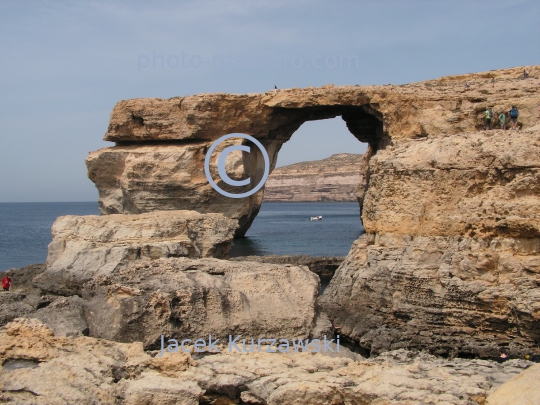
column 336, row 178
column 450, row 261
column 450, row 255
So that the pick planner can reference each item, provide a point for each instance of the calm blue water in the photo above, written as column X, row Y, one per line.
column 284, row 228
column 25, row 229
column 280, row 228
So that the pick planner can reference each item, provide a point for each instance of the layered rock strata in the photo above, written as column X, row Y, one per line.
column 407, row 111
column 136, row 179
column 451, row 258
column 334, row 179
column 89, row 246
column 41, row 368
column 189, row 299
column 449, row 262
column 163, row 134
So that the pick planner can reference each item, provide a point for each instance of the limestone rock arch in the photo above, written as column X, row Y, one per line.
column 157, row 162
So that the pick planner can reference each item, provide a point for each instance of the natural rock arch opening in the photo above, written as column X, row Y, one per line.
column 448, row 208
column 308, row 175
column 363, row 122
column 161, row 145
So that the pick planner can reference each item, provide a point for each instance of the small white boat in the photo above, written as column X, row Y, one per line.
column 317, row 218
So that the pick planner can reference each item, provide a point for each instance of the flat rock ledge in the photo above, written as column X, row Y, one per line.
column 41, row 368
column 88, row 246
column 321, row 265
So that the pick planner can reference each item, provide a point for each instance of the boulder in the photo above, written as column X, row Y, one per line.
column 88, row 246
column 65, row 316
column 182, row 298
column 13, row 305
column 449, row 295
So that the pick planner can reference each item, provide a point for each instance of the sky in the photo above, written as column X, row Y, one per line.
column 65, row 64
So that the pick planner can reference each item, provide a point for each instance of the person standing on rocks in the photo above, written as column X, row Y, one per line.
column 502, row 119
column 6, row 283
column 514, row 114
column 489, row 115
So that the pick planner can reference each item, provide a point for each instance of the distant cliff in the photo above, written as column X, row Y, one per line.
column 332, row 179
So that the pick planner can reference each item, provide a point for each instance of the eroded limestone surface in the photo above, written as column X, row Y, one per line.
column 449, row 263
column 480, row 184
column 403, row 112
column 40, row 368
column 147, row 178
column 189, row 299
column 451, row 258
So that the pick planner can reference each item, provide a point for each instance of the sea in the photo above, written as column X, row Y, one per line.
column 285, row 229
column 280, row 228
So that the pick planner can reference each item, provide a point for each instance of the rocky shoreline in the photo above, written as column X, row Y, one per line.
column 99, row 371
column 445, row 277
column 42, row 332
